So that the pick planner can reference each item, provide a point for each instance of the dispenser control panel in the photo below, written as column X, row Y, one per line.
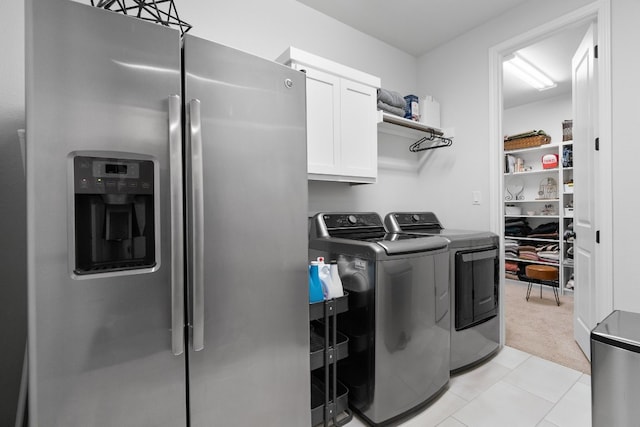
column 115, row 219
column 94, row 175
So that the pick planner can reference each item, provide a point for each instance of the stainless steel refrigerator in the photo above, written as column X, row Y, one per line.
column 167, row 236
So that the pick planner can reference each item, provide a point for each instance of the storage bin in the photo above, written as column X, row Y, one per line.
column 317, row 400
column 567, row 130
column 513, row 210
column 412, row 109
column 532, row 141
column 341, row 347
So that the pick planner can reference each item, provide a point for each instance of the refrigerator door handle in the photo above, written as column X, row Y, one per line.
column 197, row 224
column 177, row 233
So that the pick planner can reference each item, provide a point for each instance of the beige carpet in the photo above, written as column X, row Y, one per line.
column 540, row 327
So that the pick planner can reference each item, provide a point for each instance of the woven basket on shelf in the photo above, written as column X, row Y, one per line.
column 532, row 141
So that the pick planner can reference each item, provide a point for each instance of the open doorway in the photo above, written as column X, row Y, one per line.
column 506, row 117
column 538, row 210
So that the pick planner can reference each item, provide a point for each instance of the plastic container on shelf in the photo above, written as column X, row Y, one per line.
column 336, row 290
column 550, row 161
column 324, row 272
column 512, row 210
column 412, row 109
column 315, row 286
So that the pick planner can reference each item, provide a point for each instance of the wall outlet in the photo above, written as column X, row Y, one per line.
column 476, row 197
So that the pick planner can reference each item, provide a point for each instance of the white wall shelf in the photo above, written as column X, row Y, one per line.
column 529, row 261
column 553, row 147
column 410, row 130
column 532, row 216
column 532, row 172
column 420, row 133
column 533, row 239
column 399, row 126
column 532, row 201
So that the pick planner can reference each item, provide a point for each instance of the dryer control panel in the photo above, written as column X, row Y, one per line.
column 424, row 219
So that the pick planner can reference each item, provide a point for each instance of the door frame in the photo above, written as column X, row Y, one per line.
column 600, row 13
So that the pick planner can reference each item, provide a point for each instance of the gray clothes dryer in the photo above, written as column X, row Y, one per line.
column 398, row 317
column 474, row 285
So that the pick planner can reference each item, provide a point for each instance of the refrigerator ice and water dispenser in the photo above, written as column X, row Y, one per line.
column 114, row 214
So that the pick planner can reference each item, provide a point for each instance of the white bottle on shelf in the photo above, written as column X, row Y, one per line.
column 336, row 290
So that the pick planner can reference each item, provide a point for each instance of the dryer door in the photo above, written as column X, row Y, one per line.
column 476, row 286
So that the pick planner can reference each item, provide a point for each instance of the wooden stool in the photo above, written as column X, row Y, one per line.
column 543, row 275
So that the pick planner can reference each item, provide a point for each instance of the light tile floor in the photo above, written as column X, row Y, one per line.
column 513, row 389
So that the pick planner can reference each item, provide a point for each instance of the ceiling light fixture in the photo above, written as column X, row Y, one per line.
column 528, row 73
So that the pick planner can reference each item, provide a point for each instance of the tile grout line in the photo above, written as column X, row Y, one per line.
column 559, row 400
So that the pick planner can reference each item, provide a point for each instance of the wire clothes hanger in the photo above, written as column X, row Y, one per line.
column 442, row 142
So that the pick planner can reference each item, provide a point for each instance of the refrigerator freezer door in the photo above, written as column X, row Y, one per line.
column 254, row 368
column 100, row 344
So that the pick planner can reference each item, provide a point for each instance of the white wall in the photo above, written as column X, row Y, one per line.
column 625, row 69
column 457, row 74
column 395, row 190
column 266, row 29
column 546, row 115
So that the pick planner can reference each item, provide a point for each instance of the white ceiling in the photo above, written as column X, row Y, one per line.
column 417, row 26
column 552, row 56
column 414, row 26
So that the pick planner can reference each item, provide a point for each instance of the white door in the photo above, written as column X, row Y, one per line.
column 585, row 119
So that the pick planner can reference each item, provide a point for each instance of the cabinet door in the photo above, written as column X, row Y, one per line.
column 323, row 122
column 358, row 130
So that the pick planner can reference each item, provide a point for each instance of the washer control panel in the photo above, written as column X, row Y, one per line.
column 352, row 220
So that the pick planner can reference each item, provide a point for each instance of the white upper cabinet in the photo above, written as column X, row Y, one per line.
column 323, row 123
column 342, row 136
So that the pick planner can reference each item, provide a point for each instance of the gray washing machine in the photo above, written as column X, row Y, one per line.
column 474, row 276
column 398, row 317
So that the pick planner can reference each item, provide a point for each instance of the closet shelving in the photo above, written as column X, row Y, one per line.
column 566, row 225
column 533, row 204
